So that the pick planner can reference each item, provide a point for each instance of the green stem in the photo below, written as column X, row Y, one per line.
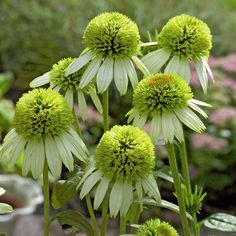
column 122, row 225
column 106, row 110
column 184, row 163
column 104, row 216
column 177, row 184
column 92, row 215
column 46, row 199
column 195, row 225
column 77, row 125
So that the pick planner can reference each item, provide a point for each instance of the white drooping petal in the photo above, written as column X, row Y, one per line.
column 131, row 72
column 65, row 155
column 155, row 60
column 90, row 71
column 167, row 127
column 82, row 105
column 53, row 157
column 155, row 128
column 89, row 183
column 8, row 142
column 200, row 103
column 29, row 151
column 105, row 74
column 131, row 114
column 150, row 187
column 116, row 198
column 79, row 62
column 120, row 76
column 178, row 129
column 139, row 189
column 140, row 66
column 40, row 80
column 139, row 121
column 69, row 98
column 101, row 192
column 208, row 69
column 197, row 109
column 95, row 100
column 56, row 88
column 127, row 200
column 38, row 157
column 87, row 172
column 202, row 75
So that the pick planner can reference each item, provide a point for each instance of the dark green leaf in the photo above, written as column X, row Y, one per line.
column 6, row 80
column 221, row 221
column 75, row 219
column 64, row 191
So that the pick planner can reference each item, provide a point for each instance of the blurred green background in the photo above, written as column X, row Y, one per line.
column 36, row 34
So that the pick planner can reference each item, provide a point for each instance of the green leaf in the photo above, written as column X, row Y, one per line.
column 64, row 191
column 221, row 221
column 6, row 80
column 74, row 219
column 5, row 208
column 164, row 173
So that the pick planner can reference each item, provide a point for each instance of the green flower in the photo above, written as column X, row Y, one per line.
column 68, row 85
column 4, row 208
column 120, row 159
column 167, row 99
column 43, row 129
column 155, row 227
column 183, row 39
column 112, row 42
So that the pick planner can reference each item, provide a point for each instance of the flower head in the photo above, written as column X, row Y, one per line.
column 183, row 39
column 68, row 85
column 166, row 99
column 155, row 227
column 120, row 159
column 43, row 129
column 113, row 42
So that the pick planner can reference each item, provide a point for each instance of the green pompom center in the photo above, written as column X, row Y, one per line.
column 42, row 112
column 186, row 37
column 155, row 227
column 161, row 93
column 58, row 75
column 112, row 34
column 126, row 153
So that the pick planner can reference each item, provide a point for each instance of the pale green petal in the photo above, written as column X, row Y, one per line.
column 5, row 208
column 29, row 151
column 172, row 66
column 87, row 172
column 79, row 62
column 127, row 199
column 69, row 98
column 150, row 186
column 155, row 60
column 2, row 191
column 155, row 128
column 82, row 105
column 9, row 141
column 95, row 100
column 178, row 129
column 105, row 75
column 208, row 69
column 66, row 156
column 202, row 75
column 56, row 88
column 53, row 157
column 197, row 109
column 139, row 190
column 131, row 114
column 140, row 66
column 89, row 183
column 90, row 71
column 200, row 103
column 37, row 161
column 120, row 76
column 131, row 72
column 167, row 127
column 40, row 81
column 139, row 121
column 101, row 192
column 116, row 198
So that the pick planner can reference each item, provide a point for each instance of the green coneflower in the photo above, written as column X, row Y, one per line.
column 4, row 208
column 112, row 43
column 43, row 129
column 68, row 85
column 183, row 39
column 123, row 161
column 166, row 99
column 155, row 227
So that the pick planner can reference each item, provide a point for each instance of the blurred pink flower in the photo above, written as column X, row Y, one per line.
column 208, row 142
column 230, row 63
column 223, row 115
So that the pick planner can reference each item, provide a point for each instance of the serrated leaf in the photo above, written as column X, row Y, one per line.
column 64, row 191
column 221, row 221
column 74, row 219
